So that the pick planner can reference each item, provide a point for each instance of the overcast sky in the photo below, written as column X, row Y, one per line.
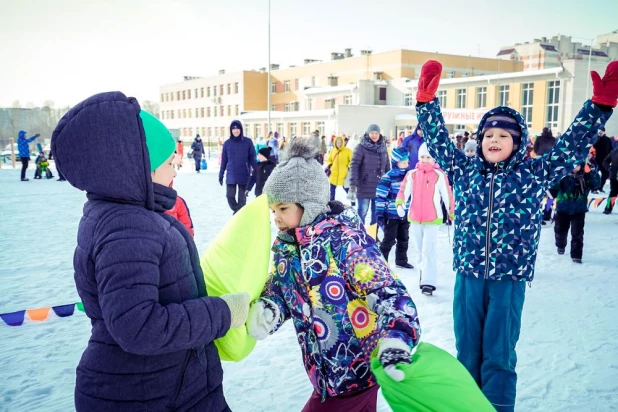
column 67, row 50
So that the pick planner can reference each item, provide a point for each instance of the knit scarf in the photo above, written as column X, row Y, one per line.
column 378, row 147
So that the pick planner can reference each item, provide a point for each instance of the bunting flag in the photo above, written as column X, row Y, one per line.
column 595, row 202
column 40, row 314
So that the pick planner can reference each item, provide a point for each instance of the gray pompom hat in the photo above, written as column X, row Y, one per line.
column 299, row 178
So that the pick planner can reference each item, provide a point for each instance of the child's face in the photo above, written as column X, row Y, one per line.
column 403, row 164
column 577, row 169
column 425, row 159
column 165, row 173
column 497, row 145
column 470, row 152
column 287, row 215
column 261, row 157
column 420, row 132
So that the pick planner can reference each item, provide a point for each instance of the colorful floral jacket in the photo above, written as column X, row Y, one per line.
column 332, row 281
column 498, row 206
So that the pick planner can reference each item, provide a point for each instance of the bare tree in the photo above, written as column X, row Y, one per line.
column 151, row 107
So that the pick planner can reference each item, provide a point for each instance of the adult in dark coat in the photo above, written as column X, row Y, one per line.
column 412, row 143
column 137, row 271
column 545, row 142
column 603, row 147
column 611, row 165
column 198, row 151
column 238, row 159
column 369, row 163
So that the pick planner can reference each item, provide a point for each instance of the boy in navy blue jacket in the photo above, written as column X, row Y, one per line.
column 571, row 196
column 395, row 228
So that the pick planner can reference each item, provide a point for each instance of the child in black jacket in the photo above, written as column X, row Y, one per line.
column 262, row 171
column 611, row 163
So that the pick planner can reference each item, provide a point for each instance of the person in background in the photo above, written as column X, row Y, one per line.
column 262, row 171
column 611, row 165
column 197, row 150
column 603, row 147
column 23, row 147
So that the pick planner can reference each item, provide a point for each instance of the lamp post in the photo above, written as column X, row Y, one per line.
column 269, row 81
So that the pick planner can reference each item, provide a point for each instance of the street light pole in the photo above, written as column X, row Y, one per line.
column 269, row 81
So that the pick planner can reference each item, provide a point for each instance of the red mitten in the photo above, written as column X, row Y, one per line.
column 605, row 90
column 429, row 81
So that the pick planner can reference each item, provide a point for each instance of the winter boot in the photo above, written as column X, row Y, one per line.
column 405, row 265
column 561, row 251
column 576, row 260
column 25, row 179
column 427, row 290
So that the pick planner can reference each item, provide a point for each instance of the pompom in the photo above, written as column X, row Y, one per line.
column 300, row 147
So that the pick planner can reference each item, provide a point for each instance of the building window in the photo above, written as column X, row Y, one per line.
column 229, row 110
column 527, row 99
column 292, row 129
column 214, row 111
column 172, row 114
column 313, row 81
column 236, row 88
column 162, row 97
column 273, row 87
column 221, row 111
column 202, row 92
column 280, row 128
column 197, row 112
column 553, row 100
column 408, row 99
column 503, row 95
column 189, row 113
column 347, row 99
column 208, row 92
column 329, row 103
column 296, row 84
column 209, row 132
column 202, row 112
column 237, row 110
column 257, row 130
column 310, row 104
column 461, row 98
column 306, row 128
column 195, row 94
column 163, row 114
column 229, row 88
column 223, row 132
column 273, row 107
column 214, row 90
column 220, row 90
column 287, row 107
column 286, row 85
column 208, row 112
column 320, row 127
column 441, row 95
column 481, row 96
column 171, row 96
column 382, row 93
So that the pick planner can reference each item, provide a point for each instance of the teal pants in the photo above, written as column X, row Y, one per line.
column 487, row 317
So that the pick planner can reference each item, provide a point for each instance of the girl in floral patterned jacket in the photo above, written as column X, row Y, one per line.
column 329, row 277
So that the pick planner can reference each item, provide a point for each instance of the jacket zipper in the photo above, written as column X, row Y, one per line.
column 489, row 212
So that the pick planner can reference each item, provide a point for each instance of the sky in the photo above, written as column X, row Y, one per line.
column 66, row 50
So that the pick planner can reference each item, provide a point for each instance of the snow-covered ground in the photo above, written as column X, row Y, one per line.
column 568, row 351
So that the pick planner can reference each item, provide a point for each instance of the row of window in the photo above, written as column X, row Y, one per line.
column 202, row 92
column 255, row 130
column 287, row 85
column 527, row 100
column 198, row 112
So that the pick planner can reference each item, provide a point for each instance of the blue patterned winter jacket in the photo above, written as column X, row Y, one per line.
column 386, row 193
column 498, row 206
column 332, row 281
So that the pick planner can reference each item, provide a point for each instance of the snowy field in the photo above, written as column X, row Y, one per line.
column 568, row 351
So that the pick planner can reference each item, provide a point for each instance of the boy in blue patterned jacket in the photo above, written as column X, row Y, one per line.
column 498, row 221
column 330, row 278
column 395, row 228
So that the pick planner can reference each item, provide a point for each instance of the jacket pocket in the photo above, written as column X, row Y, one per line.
column 180, row 380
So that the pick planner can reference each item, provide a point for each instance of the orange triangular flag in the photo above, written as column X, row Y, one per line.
column 38, row 314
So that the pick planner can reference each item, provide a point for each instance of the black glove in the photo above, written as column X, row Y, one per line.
column 221, row 180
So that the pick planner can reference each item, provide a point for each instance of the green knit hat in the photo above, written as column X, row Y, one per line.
column 159, row 141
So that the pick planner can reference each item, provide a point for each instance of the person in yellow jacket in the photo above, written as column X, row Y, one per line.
column 338, row 161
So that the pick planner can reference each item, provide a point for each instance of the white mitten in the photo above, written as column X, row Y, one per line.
column 401, row 211
column 262, row 319
column 393, row 351
column 239, row 308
